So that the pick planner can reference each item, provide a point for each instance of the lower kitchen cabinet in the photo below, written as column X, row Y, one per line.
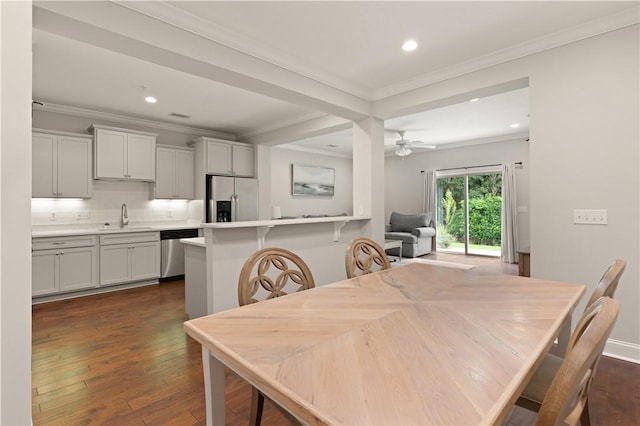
column 63, row 265
column 129, row 257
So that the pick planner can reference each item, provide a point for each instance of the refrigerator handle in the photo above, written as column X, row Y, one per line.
column 234, row 208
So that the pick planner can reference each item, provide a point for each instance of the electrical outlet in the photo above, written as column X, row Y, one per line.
column 169, row 213
column 52, row 216
column 83, row 214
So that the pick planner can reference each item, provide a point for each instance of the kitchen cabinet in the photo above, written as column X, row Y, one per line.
column 220, row 157
column 243, row 161
column 129, row 257
column 174, row 173
column 124, row 154
column 61, row 165
column 63, row 264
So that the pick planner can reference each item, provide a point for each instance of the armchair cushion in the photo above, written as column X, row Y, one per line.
column 408, row 222
column 423, row 232
column 405, row 237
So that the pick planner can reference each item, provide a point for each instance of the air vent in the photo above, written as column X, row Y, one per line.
column 175, row 114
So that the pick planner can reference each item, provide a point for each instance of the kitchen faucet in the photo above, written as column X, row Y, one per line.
column 124, row 216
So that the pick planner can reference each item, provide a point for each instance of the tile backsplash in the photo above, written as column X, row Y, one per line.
column 105, row 204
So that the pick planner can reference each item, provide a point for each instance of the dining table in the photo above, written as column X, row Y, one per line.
column 416, row 344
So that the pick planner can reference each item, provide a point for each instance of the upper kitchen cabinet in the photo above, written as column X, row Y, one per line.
column 124, row 154
column 243, row 160
column 225, row 157
column 174, row 173
column 61, row 165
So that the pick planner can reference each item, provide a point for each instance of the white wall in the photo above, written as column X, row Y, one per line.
column 404, row 182
column 15, row 193
column 341, row 202
column 584, row 154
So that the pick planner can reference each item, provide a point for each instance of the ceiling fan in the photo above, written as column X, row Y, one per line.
column 404, row 145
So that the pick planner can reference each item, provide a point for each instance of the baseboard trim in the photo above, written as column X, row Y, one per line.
column 622, row 350
column 91, row 292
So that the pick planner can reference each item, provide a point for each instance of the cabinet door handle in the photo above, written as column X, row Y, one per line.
column 59, row 243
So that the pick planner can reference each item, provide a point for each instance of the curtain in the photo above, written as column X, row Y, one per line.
column 509, row 215
column 429, row 200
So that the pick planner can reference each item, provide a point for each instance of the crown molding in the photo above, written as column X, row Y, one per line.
column 118, row 118
column 281, row 125
column 515, row 137
column 315, row 151
column 174, row 16
column 589, row 29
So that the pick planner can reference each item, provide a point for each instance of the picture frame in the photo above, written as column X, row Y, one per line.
column 312, row 180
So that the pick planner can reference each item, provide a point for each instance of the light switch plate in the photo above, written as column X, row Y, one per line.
column 590, row 217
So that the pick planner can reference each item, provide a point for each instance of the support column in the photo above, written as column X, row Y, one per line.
column 368, row 174
column 15, row 216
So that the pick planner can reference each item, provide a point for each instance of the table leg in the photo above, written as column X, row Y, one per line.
column 213, row 388
column 563, row 337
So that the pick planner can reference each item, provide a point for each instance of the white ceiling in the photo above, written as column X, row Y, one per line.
column 353, row 47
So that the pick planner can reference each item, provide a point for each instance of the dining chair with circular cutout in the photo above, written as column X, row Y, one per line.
column 364, row 256
column 266, row 274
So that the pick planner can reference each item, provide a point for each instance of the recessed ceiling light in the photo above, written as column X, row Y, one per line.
column 514, row 125
column 151, row 99
column 474, row 100
column 409, row 45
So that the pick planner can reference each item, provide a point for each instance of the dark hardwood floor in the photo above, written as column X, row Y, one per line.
column 122, row 358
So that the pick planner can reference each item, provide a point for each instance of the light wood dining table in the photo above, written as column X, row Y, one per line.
column 416, row 344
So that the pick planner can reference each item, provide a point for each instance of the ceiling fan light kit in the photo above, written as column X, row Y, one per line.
column 403, row 145
column 403, row 151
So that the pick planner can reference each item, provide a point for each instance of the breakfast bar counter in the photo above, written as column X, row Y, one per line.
column 320, row 241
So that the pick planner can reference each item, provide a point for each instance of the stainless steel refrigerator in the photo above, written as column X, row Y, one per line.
column 231, row 199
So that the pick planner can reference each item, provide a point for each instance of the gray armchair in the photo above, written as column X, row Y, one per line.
column 416, row 231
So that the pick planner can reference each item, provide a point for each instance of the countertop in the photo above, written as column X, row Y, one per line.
column 97, row 229
column 195, row 241
column 279, row 222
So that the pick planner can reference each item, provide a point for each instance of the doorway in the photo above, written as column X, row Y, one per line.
column 469, row 211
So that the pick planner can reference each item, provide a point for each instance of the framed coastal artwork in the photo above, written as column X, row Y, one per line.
column 312, row 180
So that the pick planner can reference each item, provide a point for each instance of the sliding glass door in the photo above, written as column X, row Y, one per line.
column 469, row 211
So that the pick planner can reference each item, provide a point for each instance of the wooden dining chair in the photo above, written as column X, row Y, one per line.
column 364, row 256
column 609, row 282
column 565, row 402
column 269, row 273
column 266, row 274
column 533, row 394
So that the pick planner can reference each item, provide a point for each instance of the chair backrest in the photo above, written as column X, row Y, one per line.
column 566, row 397
column 364, row 256
column 271, row 272
column 609, row 281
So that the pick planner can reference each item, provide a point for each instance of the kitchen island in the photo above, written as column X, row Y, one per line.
column 321, row 242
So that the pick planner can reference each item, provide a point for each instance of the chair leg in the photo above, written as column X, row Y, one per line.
column 257, row 404
column 585, row 420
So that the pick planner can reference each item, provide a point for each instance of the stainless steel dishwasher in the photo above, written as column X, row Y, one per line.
column 172, row 251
